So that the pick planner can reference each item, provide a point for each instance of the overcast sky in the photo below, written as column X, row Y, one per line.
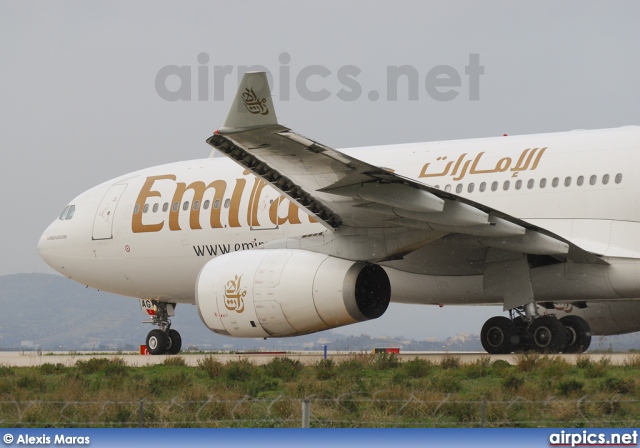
column 79, row 103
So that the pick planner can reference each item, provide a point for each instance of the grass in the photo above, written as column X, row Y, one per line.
column 365, row 390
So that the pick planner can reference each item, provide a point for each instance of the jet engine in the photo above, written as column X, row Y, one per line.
column 604, row 318
column 281, row 292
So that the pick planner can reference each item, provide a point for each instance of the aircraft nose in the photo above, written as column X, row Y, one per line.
column 41, row 243
column 51, row 245
column 45, row 247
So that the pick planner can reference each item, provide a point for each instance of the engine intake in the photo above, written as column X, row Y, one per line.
column 282, row 292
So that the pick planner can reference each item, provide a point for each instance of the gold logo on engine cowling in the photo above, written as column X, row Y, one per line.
column 234, row 295
column 254, row 104
column 566, row 307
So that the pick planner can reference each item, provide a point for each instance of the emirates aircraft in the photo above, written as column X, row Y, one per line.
column 286, row 236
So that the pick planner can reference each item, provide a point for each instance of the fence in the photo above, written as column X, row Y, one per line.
column 349, row 410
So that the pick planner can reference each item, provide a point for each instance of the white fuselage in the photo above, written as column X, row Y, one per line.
column 147, row 234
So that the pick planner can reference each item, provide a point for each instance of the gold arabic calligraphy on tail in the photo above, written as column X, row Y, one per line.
column 254, row 104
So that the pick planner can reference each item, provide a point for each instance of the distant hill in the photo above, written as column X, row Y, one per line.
column 53, row 313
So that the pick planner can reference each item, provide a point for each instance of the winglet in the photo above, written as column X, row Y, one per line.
column 252, row 108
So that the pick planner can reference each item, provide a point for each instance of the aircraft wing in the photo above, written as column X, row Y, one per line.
column 340, row 190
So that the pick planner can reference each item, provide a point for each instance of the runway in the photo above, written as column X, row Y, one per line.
column 30, row 359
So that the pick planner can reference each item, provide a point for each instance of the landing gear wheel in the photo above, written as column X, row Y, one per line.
column 521, row 331
column 174, row 342
column 578, row 334
column 157, row 342
column 547, row 335
column 499, row 336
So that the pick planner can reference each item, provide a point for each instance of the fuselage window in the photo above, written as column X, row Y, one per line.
column 554, row 182
column 146, row 208
column 196, row 205
column 580, row 181
column 483, row 186
column 72, row 210
column 206, row 204
column 437, row 186
column 593, row 179
column 543, row 182
column 530, row 183
column 216, row 204
column 459, row 188
column 470, row 187
column 518, row 184
column 567, row 181
column 63, row 215
column 155, row 207
column 175, row 206
column 447, row 188
column 185, row 206
column 618, row 178
column 136, row 210
column 165, row 207
column 494, row 186
column 605, row 180
column 506, row 184
column 227, row 203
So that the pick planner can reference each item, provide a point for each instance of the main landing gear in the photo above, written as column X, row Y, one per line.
column 162, row 340
column 527, row 330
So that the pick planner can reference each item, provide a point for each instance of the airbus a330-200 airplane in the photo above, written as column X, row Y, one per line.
column 286, row 236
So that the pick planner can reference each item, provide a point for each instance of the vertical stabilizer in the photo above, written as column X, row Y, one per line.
column 252, row 107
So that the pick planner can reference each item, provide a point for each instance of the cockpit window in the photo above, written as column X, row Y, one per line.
column 68, row 212
column 63, row 215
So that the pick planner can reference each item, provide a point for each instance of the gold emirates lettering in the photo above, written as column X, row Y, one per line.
column 199, row 189
column 145, row 193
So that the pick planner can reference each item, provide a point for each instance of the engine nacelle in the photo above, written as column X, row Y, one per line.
column 605, row 318
column 282, row 292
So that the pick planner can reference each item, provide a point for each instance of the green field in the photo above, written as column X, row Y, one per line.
column 363, row 391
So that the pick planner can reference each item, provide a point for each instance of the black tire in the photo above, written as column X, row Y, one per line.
column 521, row 330
column 157, row 342
column 547, row 335
column 174, row 342
column 499, row 336
column 578, row 334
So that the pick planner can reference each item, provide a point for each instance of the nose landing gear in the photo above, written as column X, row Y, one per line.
column 157, row 342
column 162, row 340
column 174, row 342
